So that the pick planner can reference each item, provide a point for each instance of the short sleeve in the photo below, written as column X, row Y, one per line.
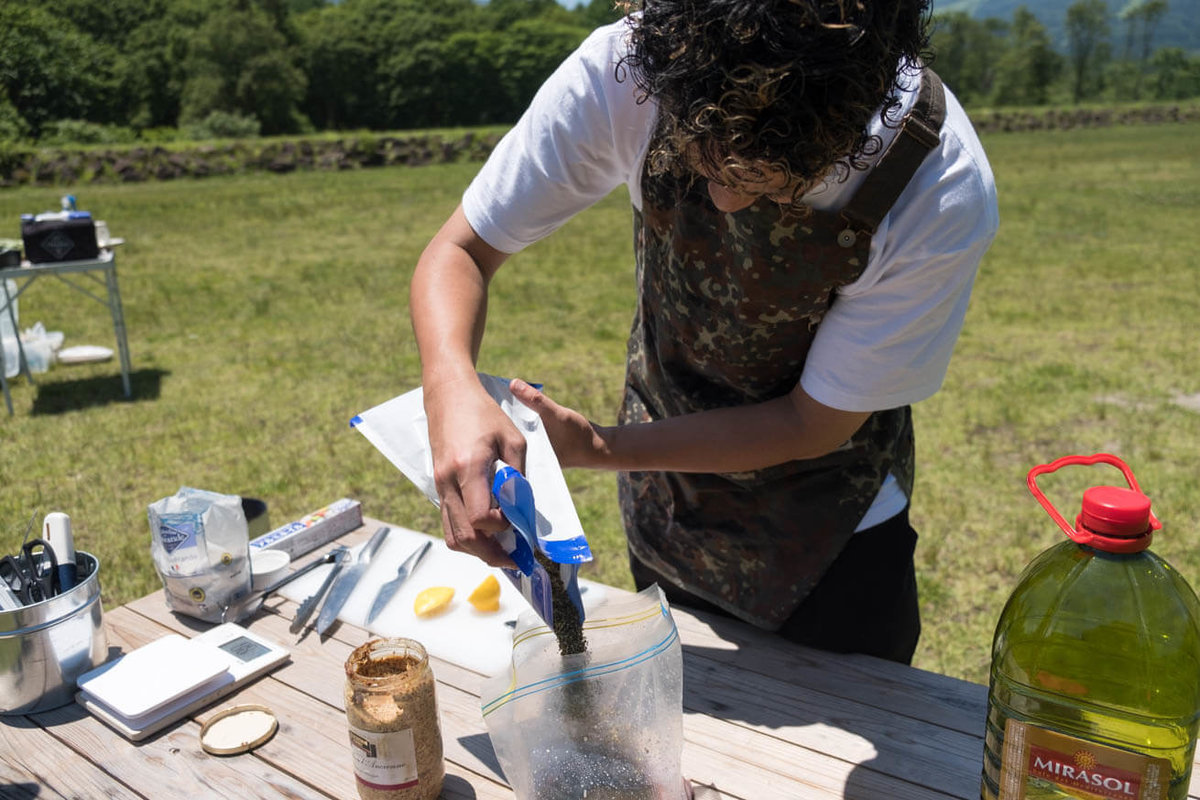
column 583, row 135
column 888, row 338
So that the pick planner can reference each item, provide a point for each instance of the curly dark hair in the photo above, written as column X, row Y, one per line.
column 747, row 86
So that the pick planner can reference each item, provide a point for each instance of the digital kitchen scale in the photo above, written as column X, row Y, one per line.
column 168, row 679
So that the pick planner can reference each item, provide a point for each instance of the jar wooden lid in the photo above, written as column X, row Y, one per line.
column 238, row 729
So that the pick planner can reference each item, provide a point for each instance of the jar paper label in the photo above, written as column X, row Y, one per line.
column 386, row 761
column 1036, row 760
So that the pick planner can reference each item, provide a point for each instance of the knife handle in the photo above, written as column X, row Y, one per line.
column 373, row 545
column 411, row 562
column 341, row 590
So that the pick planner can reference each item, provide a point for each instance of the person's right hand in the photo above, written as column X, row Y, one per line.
column 468, row 431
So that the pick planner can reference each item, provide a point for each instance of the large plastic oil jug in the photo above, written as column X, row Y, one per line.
column 1095, row 679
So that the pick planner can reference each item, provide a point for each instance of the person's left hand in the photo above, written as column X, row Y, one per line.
column 576, row 441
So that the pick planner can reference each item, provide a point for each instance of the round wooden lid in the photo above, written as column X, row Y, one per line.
column 238, row 729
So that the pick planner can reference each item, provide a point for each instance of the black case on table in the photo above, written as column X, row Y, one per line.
column 59, row 240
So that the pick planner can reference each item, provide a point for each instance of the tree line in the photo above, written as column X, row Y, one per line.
column 95, row 68
column 118, row 70
column 999, row 63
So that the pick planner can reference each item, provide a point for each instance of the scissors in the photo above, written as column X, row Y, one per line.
column 32, row 576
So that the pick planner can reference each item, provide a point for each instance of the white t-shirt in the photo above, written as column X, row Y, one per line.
column 886, row 341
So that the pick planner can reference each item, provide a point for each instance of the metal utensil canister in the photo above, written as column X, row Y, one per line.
column 46, row 646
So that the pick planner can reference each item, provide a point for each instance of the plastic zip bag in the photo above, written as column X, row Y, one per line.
column 607, row 723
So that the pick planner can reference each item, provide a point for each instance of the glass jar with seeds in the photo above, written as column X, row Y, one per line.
column 391, row 711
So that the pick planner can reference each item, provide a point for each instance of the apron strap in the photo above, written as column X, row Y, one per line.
column 917, row 136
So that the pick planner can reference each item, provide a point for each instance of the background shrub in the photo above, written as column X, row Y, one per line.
column 223, row 125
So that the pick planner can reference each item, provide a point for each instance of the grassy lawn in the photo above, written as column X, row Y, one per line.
column 265, row 311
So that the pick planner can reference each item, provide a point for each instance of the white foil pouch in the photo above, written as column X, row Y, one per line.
column 538, row 503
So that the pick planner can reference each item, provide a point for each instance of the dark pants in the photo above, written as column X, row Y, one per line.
column 865, row 603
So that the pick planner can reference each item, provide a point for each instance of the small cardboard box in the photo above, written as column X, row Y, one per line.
column 312, row 530
column 59, row 239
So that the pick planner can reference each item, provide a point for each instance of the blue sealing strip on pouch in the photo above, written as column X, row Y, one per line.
column 355, row 421
column 515, row 496
column 567, row 551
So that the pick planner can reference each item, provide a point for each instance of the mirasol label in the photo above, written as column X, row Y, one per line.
column 1037, row 761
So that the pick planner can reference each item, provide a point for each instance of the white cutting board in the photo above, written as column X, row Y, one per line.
column 473, row 639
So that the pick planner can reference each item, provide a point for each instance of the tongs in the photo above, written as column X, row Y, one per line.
column 251, row 603
column 310, row 603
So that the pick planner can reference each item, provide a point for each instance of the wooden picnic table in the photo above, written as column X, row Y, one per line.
column 763, row 719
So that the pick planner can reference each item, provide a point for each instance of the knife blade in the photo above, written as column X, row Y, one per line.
column 341, row 557
column 344, row 586
column 388, row 590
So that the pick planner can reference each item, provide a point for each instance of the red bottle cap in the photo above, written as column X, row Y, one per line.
column 1115, row 511
column 1113, row 519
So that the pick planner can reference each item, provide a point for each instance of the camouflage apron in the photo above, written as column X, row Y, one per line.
column 728, row 307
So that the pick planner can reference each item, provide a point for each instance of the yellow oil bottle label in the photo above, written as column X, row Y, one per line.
column 1038, row 763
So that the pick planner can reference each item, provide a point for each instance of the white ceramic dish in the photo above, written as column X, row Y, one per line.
column 266, row 567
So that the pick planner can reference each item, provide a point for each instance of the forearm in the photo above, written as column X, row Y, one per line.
column 467, row 429
column 448, row 306
column 448, row 302
column 735, row 439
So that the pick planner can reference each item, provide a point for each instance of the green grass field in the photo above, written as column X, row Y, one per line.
column 265, row 311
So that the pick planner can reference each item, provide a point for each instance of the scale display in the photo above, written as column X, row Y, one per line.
column 244, row 649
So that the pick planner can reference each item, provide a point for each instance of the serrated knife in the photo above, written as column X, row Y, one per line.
column 388, row 590
column 341, row 590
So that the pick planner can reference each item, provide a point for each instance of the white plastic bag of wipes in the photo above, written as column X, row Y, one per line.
column 538, row 503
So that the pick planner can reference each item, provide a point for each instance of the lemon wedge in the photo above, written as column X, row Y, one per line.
column 486, row 596
column 433, row 600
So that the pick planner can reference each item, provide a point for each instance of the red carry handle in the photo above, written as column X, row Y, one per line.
column 1079, row 534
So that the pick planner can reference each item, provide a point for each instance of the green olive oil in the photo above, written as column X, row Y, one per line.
column 1095, row 679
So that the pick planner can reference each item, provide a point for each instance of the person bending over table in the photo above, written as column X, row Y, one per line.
column 810, row 206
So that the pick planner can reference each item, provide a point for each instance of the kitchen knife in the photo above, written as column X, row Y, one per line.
column 344, row 586
column 341, row 556
column 388, row 590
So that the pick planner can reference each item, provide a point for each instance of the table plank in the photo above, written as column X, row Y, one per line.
column 171, row 758
column 312, row 744
column 885, row 742
column 174, row 757
column 896, row 688
column 314, row 661
column 307, row 726
column 925, row 697
column 743, row 763
column 317, row 671
column 32, row 764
